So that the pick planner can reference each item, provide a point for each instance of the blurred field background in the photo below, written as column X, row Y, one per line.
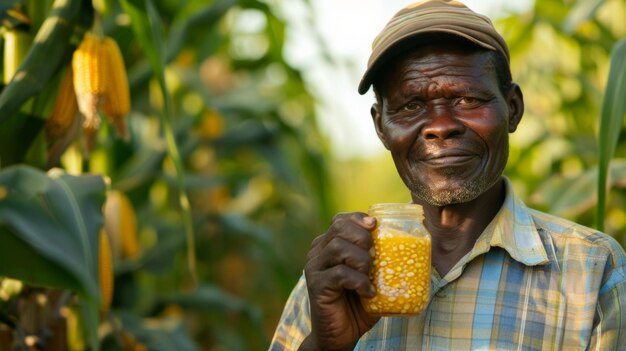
column 246, row 135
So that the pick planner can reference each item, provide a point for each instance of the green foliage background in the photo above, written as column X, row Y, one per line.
column 226, row 212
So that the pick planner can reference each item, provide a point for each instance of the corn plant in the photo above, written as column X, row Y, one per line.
column 205, row 178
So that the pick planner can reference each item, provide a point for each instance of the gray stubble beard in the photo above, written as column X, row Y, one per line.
column 465, row 192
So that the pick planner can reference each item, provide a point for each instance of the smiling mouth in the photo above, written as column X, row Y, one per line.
column 449, row 160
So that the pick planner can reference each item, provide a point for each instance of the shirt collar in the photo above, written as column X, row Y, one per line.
column 514, row 230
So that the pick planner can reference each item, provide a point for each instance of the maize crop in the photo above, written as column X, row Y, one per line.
column 88, row 64
column 121, row 225
column 64, row 110
column 101, row 85
column 105, row 267
column 116, row 103
column 212, row 125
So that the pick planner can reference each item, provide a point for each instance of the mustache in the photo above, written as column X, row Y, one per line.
column 430, row 151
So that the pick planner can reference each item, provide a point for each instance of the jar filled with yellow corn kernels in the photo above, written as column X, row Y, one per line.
column 401, row 267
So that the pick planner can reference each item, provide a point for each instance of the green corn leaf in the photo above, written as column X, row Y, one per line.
column 570, row 197
column 20, row 260
column 43, row 58
column 611, row 120
column 17, row 131
column 38, row 11
column 58, row 217
column 49, row 225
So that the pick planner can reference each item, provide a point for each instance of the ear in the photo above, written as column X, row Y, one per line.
column 376, row 113
column 515, row 100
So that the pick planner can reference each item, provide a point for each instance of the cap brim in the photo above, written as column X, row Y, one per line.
column 413, row 40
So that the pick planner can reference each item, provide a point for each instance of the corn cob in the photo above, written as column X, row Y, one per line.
column 64, row 110
column 88, row 63
column 105, row 265
column 121, row 224
column 212, row 125
column 116, row 104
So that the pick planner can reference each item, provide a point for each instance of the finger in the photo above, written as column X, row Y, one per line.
column 348, row 219
column 354, row 227
column 359, row 218
column 340, row 251
column 329, row 283
column 350, row 246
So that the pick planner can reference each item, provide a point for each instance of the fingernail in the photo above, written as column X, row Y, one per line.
column 369, row 221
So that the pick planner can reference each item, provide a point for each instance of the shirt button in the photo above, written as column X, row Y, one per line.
column 441, row 293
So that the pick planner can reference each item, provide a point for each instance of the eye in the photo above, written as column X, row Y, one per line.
column 468, row 101
column 412, row 106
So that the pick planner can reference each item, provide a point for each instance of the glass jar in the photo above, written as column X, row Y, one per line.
column 402, row 254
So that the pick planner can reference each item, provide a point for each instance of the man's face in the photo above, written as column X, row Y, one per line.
column 446, row 123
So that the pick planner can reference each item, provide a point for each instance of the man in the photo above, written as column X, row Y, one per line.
column 505, row 277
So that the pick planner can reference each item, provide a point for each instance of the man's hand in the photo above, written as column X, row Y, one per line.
column 337, row 273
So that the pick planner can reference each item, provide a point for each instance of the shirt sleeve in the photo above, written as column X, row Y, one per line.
column 609, row 332
column 295, row 323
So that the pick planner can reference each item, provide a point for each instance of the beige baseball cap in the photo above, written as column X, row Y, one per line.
column 428, row 17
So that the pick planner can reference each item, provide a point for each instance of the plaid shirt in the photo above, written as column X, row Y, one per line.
column 532, row 282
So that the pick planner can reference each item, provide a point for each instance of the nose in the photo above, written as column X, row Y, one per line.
column 442, row 124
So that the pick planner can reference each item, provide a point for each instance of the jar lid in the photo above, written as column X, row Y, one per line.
column 396, row 209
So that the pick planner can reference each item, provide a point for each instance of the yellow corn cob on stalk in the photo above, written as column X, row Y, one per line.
column 212, row 125
column 105, row 265
column 116, row 103
column 88, row 63
column 64, row 110
column 121, row 225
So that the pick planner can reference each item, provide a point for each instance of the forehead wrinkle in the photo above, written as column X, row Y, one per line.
column 443, row 73
column 430, row 88
column 437, row 85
